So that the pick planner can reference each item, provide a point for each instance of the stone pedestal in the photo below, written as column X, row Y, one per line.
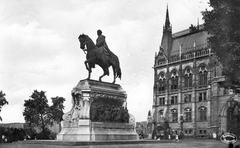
column 75, row 131
column 84, row 121
column 112, row 131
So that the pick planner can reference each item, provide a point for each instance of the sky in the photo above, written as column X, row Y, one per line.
column 39, row 47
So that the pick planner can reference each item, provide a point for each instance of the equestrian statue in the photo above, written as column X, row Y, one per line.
column 100, row 55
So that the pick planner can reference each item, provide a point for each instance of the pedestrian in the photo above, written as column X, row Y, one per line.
column 230, row 145
column 176, row 138
column 3, row 139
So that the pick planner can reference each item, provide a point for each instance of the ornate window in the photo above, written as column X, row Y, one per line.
column 203, row 76
column 198, row 53
column 162, row 83
column 160, row 113
column 174, row 81
column 202, row 113
column 161, row 61
column 202, row 96
column 187, row 98
column 174, row 100
column 162, row 101
column 188, row 78
column 174, row 115
column 188, row 114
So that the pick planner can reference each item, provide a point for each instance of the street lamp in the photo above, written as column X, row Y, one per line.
column 181, row 121
column 230, row 104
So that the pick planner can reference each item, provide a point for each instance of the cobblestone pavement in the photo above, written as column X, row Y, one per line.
column 186, row 143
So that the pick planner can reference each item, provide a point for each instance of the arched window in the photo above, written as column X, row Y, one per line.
column 203, row 76
column 188, row 78
column 160, row 113
column 202, row 113
column 162, row 83
column 161, row 61
column 174, row 115
column 174, row 81
column 188, row 114
column 170, row 60
column 198, row 53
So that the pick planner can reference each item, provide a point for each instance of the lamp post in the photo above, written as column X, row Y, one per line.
column 230, row 104
column 218, row 127
column 234, row 114
column 181, row 121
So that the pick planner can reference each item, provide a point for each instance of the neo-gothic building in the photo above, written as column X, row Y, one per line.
column 188, row 82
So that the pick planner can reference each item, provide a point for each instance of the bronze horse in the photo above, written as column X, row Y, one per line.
column 100, row 57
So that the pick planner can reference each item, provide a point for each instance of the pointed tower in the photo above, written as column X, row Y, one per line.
column 166, row 44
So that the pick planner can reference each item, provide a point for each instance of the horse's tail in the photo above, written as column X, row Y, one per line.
column 115, row 61
column 118, row 69
column 119, row 73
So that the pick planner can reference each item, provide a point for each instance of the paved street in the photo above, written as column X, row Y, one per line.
column 186, row 143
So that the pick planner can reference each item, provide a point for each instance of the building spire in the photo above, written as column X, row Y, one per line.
column 167, row 26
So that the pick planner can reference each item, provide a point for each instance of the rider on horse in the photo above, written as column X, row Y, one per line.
column 98, row 55
column 101, row 42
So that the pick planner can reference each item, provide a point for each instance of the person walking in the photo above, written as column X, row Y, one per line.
column 176, row 138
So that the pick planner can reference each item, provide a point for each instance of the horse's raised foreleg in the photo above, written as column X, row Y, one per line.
column 86, row 65
column 88, row 68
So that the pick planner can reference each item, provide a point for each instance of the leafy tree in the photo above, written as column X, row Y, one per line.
column 223, row 25
column 3, row 101
column 39, row 114
column 57, row 108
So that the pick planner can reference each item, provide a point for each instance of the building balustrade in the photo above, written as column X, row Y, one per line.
column 189, row 56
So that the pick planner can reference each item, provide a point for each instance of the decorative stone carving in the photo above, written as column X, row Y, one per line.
column 97, row 103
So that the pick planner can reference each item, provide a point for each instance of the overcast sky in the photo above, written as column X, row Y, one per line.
column 39, row 49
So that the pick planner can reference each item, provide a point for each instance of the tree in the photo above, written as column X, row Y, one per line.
column 39, row 114
column 57, row 108
column 223, row 25
column 3, row 101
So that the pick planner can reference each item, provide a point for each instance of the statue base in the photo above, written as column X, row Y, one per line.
column 84, row 123
column 102, row 131
column 75, row 131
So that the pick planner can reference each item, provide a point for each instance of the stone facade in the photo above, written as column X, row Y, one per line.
column 188, row 82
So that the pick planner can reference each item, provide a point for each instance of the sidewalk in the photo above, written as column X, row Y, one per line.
column 119, row 142
column 82, row 143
